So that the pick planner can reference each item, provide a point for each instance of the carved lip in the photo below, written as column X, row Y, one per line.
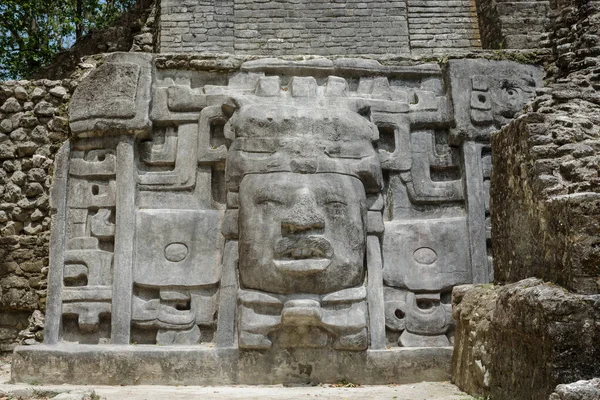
column 302, row 267
column 302, row 254
column 296, row 247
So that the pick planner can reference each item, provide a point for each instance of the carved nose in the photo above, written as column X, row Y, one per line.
column 303, row 216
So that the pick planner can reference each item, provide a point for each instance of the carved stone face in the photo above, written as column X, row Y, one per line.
column 301, row 233
column 509, row 95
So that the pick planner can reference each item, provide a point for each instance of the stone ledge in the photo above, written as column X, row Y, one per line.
column 199, row 365
column 525, row 338
column 580, row 390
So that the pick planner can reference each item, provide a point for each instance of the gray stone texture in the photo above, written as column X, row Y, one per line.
column 125, row 91
column 522, row 339
column 276, row 209
column 33, row 124
column 324, row 208
column 280, row 27
column 526, row 337
column 580, row 390
column 438, row 26
column 545, row 186
column 513, row 24
column 204, row 366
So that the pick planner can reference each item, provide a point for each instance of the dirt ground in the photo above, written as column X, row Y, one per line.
column 4, row 367
column 418, row 391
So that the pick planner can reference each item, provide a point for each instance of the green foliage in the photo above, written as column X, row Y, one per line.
column 94, row 396
column 32, row 32
column 523, row 57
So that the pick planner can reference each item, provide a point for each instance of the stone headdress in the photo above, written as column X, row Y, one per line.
column 309, row 135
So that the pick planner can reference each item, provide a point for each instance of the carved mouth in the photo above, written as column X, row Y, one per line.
column 302, row 267
column 303, row 247
column 303, row 255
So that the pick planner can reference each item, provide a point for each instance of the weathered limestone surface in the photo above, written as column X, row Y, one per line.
column 580, row 390
column 202, row 365
column 513, row 24
column 273, row 210
column 438, row 26
column 473, row 308
column 546, row 198
column 522, row 339
column 545, row 184
column 218, row 215
column 317, row 27
column 33, row 125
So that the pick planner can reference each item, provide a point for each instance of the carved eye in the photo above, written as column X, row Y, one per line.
column 510, row 89
column 268, row 202
column 336, row 204
column 335, row 207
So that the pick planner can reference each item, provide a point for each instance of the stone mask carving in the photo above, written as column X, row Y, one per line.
column 301, row 233
column 302, row 202
column 280, row 212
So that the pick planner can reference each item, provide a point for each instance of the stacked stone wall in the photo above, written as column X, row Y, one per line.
column 196, row 25
column 512, row 24
column 33, row 125
column 546, row 185
column 353, row 26
column 438, row 26
column 523, row 339
column 520, row 340
column 283, row 27
column 524, row 23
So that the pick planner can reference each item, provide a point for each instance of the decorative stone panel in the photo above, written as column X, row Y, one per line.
column 276, row 212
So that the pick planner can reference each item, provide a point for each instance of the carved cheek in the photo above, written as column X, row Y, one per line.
column 265, row 223
column 349, row 229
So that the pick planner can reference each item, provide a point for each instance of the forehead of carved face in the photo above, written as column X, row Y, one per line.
column 275, row 138
column 301, row 233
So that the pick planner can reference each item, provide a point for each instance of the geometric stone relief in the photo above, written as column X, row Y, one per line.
column 418, row 320
column 281, row 205
column 189, row 255
column 176, row 273
column 338, row 319
column 87, row 272
column 426, row 254
column 419, row 182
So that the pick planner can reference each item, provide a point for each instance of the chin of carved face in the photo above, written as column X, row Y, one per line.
column 301, row 233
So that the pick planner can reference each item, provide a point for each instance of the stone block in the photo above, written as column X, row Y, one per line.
column 577, row 390
column 509, row 87
column 426, row 255
column 107, row 365
column 124, row 81
column 189, row 255
column 525, row 338
column 551, row 227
